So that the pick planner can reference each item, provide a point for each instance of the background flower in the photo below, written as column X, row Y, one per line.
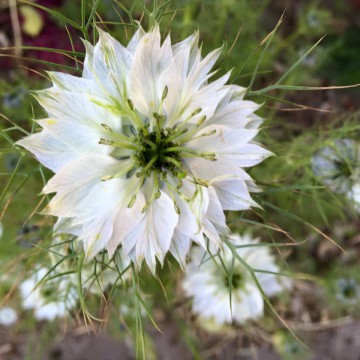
column 221, row 286
column 338, row 165
column 8, row 316
column 51, row 298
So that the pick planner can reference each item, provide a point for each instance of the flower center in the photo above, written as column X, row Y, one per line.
column 157, row 152
column 343, row 167
column 235, row 281
column 348, row 288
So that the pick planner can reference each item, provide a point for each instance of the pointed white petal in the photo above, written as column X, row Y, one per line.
column 249, row 155
column 118, row 60
column 198, row 74
column 80, row 138
column 236, row 114
column 77, row 107
column 179, row 247
column 189, row 100
column 72, row 83
column 154, row 233
column 134, row 42
column 251, row 307
column 87, row 72
column 150, row 60
column 52, row 152
column 125, row 221
column 225, row 139
column 66, row 226
column 191, row 213
column 208, row 170
column 233, row 194
column 82, row 172
column 186, row 51
column 214, row 224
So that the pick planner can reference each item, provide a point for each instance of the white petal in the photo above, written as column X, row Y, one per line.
column 224, row 140
column 150, row 60
column 233, row 194
column 66, row 226
column 199, row 203
column 81, row 138
column 97, row 211
column 52, row 152
column 180, row 246
column 208, row 170
column 251, row 307
column 153, row 235
column 96, row 234
column 134, row 42
column 198, row 74
column 125, row 221
column 189, row 100
column 82, row 172
column 214, row 223
column 207, row 98
column 87, row 72
column 191, row 214
column 72, row 83
column 118, row 60
column 104, row 214
column 249, row 155
column 235, row 114
column 78, row 108
column 186, row 52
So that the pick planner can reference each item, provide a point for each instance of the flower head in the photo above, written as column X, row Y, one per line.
column 8, row 316
column 338, row 165
column 49, row 299
column 147, row 151
column 221, row 286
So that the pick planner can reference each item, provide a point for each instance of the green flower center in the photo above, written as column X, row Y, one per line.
column 235, row 281
column 157, row 152
column 349, row 290
column 344, row 168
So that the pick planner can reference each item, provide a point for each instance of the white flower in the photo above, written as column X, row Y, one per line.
column 208, row 278
column 51, row 299
column 354, row 196
column 147, row 151
column 8, row 316
column 1, row 229
column 338, row 165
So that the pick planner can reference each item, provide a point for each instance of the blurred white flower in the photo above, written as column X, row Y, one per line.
column 147, row 151
column 50, row 299
column 211, row 279
column 338, row 165
column 1, row 229
column 8, row 316
column 354, row 196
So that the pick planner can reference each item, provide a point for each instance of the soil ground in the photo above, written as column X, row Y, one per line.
column 338, row 340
